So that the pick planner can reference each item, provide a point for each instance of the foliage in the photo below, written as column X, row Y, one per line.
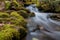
column 49, row 5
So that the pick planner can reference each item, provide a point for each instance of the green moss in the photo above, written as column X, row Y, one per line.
column 22, row 31
column 7, row 4
column 9, row 34
column 14, row 14
column 17, row 19
column 26, row 13
column 49, row 6
column 13, row 22
column 23, row 13
column 32, row 14
column 4, row 15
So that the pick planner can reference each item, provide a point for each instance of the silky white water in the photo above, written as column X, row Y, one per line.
column 43, row 20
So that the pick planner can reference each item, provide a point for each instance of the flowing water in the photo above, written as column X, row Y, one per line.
column 42, row 19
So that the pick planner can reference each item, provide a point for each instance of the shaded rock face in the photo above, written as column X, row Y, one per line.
column 2, row 6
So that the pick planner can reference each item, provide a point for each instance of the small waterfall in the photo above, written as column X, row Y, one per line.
column 43, row 20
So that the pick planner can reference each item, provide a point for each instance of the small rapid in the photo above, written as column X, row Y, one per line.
column 43, row 20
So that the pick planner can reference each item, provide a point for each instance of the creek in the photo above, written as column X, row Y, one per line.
column 43, row 20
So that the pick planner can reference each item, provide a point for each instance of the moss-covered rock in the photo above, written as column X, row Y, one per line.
column 12, row 20
column 23, row 13
column 12, row 5
column 9, row 34
column 17, row 19
column 20, row 22
column 49, row 6
column 11, row 23
column 22, row 31
column 26, row 13
column 4, row 15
